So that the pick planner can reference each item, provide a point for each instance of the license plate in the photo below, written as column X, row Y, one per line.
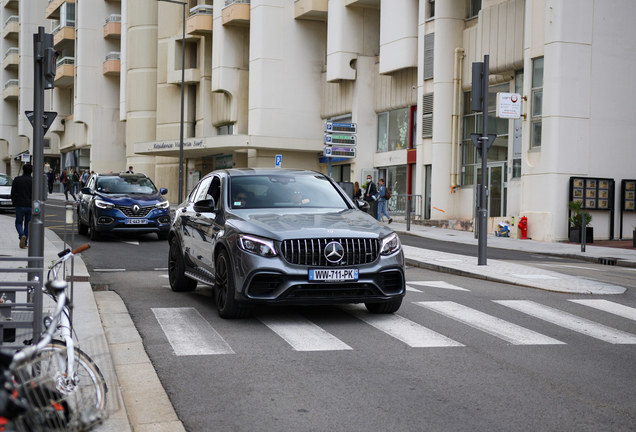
column 333, row 275
column 7, row 203
column 136, row 221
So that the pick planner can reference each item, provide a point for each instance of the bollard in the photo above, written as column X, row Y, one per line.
column 583, row 230
column 408, row 215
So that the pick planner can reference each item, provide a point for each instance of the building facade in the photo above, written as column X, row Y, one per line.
column 261, row 78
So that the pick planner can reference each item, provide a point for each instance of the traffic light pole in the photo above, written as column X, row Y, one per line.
column 483, row 201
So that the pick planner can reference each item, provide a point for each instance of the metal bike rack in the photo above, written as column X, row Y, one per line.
column 20, row 300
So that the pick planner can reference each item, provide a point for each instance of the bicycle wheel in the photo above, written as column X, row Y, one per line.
column 86, row 389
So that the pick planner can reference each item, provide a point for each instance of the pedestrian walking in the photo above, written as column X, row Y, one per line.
column 21, row 196
column 76, row 181
column 68, row 185
column 382, row 210
column 370, row 195
column 84, row 180
column 50, row 178
column 130, row 170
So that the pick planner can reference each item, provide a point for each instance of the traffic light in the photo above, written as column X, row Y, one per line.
column 50, row 59
column 477, row 96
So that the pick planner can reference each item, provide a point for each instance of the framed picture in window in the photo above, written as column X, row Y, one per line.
column 602, row 194
column 629, row 205
column 590, row 184
column 590, row 203
column 603, row 184
column 602, row 204
column 578, row 183
column 630, row 185
column 578, row 199
column 629, row 195
column 578, row 193
column 590, row 193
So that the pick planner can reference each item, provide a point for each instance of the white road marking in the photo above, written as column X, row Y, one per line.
column 571, row 322
column 162, row 269
column 536, row 276
column 408, row 288
column 611, row 307
column 448, row 260
column 109, row 270
column 438, row 284
column 302, row 334
column 164, row 276
column 189, row 333
column 505, row 330
column 409, row 332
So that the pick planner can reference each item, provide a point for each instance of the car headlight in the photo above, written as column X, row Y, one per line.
column 390, row 244
column 104, row 204
column 256, row 245
column 163, row 204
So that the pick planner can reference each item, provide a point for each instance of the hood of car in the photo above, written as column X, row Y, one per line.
column 312, row 223
column 5, row 190
column 130, row 199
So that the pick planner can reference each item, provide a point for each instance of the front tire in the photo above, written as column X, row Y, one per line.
column 224, row 289
column 93, row 232
column 387, row 307
column 179, row 282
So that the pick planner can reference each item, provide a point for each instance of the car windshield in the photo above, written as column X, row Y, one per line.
column 5, row 180
column 125, row 185
column 287, row 190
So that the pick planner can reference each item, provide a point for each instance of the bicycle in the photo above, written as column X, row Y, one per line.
column 53, row 385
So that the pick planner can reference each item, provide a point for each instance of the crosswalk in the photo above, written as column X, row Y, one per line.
column 190, row 334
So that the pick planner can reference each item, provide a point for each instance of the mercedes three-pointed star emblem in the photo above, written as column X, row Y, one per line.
column 334, row 252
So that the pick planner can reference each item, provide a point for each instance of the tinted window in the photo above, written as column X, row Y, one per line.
column 125, row 185
column 274, row 191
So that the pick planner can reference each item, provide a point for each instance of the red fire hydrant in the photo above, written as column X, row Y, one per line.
column 523, row 226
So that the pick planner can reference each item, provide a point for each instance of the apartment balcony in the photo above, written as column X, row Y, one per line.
column 64, row 36
column 11, row 27
column 12, row 58
column 12, row 4
column 314, row 10
column 65, row 72
column 200, row 21
column 236, row 13
column 112, row 63
column 11, row 90
column 53, row 9
column 374, row 4
column 112, row 27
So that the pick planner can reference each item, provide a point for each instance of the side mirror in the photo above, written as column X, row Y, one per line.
column 86, row 191
column 362, row 205
column 204, row 206
column 163, row 191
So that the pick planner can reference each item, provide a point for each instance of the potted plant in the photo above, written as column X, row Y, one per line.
column 575, row 221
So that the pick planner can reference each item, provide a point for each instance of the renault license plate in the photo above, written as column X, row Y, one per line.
column 136, row 221
column 330, row 275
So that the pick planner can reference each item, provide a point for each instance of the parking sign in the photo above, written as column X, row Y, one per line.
column 279, row 161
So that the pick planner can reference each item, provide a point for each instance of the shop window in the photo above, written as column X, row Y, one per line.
column 537, row 103
column 393, row 130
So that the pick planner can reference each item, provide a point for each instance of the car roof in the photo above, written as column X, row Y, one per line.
column 236, row 172
column 136, row 175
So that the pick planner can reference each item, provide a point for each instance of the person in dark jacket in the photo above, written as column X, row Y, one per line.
column 21, row 196
column 69, row 185
column 50, row 177
column 370, row 195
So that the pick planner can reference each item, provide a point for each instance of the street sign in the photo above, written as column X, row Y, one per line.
column 508, row 105
column 279, row 161
column 340, row 139
column 476, row 137
column 47, row 121
column 341, row 127
column 341, row 152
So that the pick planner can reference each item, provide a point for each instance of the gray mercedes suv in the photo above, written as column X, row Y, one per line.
column 275, row 236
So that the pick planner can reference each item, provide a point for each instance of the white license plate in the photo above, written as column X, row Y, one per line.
column 136, row 221
column 6, row 203
column 333, row 275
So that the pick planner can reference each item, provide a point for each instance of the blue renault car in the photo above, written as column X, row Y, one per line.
column 122, row 203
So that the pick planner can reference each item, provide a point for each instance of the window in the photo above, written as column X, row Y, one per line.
column 475, row 7
column 227, row 129
column 518, row 131
column 393, row 130
column 472, row 123
column 429, row 44
column 431, row 8
column 537, row 103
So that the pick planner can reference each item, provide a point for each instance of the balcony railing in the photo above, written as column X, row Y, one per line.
column 231, row 2
column 202, row 10
column 10, row 51
column 59, row 27
column 113, row 55
column 12, row 83
column 12, row 18
column 65, row 61
column 113, row 18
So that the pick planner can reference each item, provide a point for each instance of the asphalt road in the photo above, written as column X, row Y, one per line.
column 461, row 354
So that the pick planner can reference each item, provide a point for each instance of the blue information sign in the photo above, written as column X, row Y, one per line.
column 279, row 161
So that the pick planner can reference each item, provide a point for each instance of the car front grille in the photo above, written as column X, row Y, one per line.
column 128, row 211
column 5, row 196
column 332, row 291
column 311, row 252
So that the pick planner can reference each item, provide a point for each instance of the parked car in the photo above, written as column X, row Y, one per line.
column 5, row 192
column 116, row 203
column 275, row 236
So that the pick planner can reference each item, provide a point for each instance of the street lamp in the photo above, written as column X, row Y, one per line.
column 183, row 48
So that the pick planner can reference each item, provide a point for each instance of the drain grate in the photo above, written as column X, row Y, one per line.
column 608, row 261
column 100, row 287
column 77, row 278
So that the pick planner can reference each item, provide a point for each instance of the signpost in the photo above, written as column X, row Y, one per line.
column 279, row 161
column 345, row 136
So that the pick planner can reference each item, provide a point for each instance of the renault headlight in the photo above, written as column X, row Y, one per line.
column 390, row 245
column 257, row 245
column 104, row 204
column 163, row 204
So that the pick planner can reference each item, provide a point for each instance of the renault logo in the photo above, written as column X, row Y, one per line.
column 334, row 252
column 135, row 208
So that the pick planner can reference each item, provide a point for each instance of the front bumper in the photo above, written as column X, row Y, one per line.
column 114, row 221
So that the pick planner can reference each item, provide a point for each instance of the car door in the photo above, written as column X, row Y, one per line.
column 207, row 229
column 188, row 223
column 86, row 199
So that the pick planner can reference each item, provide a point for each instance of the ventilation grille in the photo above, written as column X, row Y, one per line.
column 429, row 43
column 427, row 115
column 312, row 251
column 128, row 212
